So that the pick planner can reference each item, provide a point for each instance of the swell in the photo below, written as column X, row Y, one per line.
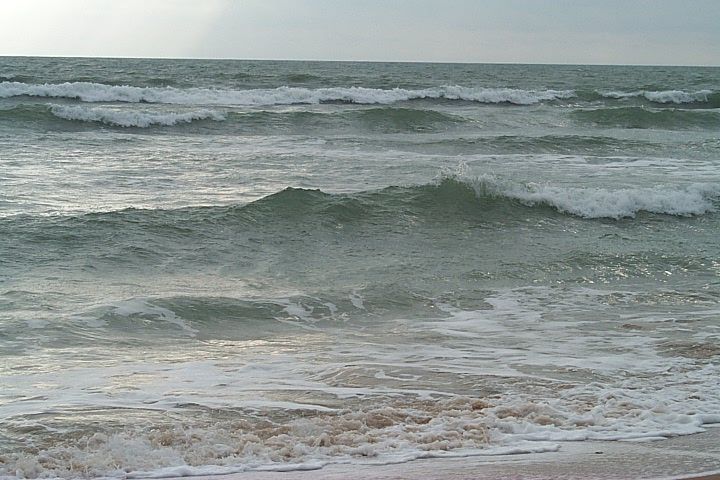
column 673, row 98
column 140, row 320
column 381, row 119
column 145, row 237
column 705, row 98
column 394, row 236
column 386, row 119
column 289, row 78
column 450, row 198
column 641, row 117
column 556, row 144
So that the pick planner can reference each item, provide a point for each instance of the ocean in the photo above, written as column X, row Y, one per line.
column 223, row 266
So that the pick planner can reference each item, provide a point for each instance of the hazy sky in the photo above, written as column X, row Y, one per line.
column 528, row 31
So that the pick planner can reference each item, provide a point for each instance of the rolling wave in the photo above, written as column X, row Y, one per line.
column 385, row 119
column 293, row 228
column 640, row 117
column 676, row 97
column 107, row 115
column 449, row 199
column 487, row 193
column 532, row 144
column 381, row 119
column 127, row 118
column 97, row 92
column 693, row 199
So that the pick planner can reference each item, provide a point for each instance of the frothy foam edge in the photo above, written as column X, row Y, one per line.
column 663, row 96
column 126, row 118
column 383, row 427
column 597, row 202
column 97, row 92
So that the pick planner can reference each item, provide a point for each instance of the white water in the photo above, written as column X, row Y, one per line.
column 96, row 92
column 127, row 118
column 589, row 202
column 385, row 406
column 664, row 96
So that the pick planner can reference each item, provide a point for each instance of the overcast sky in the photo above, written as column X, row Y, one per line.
column 527, row 31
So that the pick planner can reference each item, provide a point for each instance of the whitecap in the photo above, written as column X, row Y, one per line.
column 131, row 118
column 97, row 92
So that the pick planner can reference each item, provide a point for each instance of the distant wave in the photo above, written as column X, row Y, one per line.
column 395, row 119
column 667, row 96
column 301, row 77
column 641, row 117
column 385, row 119
column 288, row 95
column 112, row 116
column 97, row 92
column 379, row 116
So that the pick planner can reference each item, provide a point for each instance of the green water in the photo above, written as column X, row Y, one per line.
column 216, row 266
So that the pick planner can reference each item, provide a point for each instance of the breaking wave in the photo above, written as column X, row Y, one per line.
column 487, row 194
column 450, row 198
column 127, row 118
column 669, row 96
column 374, row 428
column 107, row 115
column 383, row 119
column 98, row 92
column 587, row 202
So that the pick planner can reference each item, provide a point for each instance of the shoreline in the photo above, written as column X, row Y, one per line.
column 691, row 457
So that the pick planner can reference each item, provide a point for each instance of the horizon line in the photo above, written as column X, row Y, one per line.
column 124, row 57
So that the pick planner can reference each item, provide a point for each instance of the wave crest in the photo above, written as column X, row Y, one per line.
column 693, row 199
column 664, row 96
column 447, row 200
column 486, row 194
column 97, row 92
column 127, row 118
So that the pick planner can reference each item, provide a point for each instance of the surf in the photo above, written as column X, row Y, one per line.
column 97, row 92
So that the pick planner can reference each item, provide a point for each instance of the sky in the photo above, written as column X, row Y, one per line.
column 655, row 32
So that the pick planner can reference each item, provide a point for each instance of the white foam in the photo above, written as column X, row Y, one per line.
column 377, row 434
column 278, row 407
column 663, row 96
column 97, row 92
column 681, row 399
column 131, row 118
column 641, row 397
column 597, row 202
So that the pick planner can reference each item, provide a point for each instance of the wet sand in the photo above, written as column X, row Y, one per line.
column 691, row 457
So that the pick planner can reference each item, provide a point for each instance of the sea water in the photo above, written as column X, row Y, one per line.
column 222, row 266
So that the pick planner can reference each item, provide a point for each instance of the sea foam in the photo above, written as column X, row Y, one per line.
column 131, row 118
column 695, row 199
column 599, row 202
column 663, row 96
column 97, row 92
